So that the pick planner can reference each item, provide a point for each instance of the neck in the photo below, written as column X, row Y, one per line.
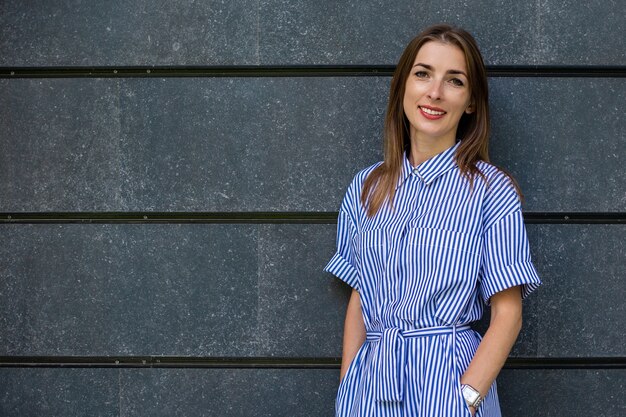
column 423, row 149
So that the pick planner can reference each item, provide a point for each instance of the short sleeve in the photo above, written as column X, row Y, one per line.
column 342, row 264
column 506, row 259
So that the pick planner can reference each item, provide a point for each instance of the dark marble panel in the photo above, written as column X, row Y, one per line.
column 228, row 392
column 301, row 308
column 562, row 392
column 60, row 143
column 128, row 290
column 563, row 139
column 508, row 32
column 279, row 32
column 579, row 34
column 247, row 144
column 273, row 392
column 50, row 392
column 580, row 309
column 186, row 144
column 244, row 290
column 279, row 144
column 119, row 33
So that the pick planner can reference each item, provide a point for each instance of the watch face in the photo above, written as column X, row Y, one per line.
column 470, row 394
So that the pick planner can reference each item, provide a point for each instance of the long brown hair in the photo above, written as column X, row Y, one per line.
column 473, row 129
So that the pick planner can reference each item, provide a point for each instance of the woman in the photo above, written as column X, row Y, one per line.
column 425, row 238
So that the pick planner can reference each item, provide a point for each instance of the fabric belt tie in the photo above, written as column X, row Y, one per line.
column 390, row 357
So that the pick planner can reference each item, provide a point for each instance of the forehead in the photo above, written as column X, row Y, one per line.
column 441, row 55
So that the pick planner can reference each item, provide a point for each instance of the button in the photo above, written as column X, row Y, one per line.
column 415, row 171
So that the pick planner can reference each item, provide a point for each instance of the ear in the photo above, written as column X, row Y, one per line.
column 470, row 109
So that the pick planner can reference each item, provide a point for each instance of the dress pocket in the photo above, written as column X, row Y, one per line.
column 373, row 250
column 351, row 379
column 448, row 263
column 464, row 405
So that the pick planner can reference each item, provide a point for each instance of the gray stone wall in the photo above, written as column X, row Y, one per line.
column 170, row 173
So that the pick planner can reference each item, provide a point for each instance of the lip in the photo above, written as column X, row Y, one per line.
column 432, row 116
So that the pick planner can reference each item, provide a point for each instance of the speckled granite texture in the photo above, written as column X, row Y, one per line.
column 271, row 392
column 279, row 32
column 281, row 144
column 251, row 144
column 259, row 290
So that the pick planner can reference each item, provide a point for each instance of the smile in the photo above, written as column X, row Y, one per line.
column 431, row 113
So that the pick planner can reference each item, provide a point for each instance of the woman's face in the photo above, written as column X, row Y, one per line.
column 437, row 94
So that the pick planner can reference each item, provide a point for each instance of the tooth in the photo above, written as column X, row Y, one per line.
column 433, row 112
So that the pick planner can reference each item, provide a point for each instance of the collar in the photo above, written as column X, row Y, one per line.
column 431, row 169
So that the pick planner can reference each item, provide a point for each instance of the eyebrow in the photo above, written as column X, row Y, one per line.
column 430, row 68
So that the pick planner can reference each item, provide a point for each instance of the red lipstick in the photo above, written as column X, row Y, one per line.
column 432, row 113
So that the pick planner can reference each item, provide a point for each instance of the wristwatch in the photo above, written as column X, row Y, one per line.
column 471, row 396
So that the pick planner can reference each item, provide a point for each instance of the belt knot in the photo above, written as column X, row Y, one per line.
column 390, row 360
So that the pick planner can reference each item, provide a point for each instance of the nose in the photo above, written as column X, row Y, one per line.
column 434, row 93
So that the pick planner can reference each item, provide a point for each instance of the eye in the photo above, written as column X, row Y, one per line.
column 457, row 82
column 421, row 74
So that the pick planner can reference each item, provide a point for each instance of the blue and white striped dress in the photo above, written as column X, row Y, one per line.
column 424, row 271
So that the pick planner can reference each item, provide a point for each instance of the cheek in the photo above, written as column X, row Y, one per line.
column 462, row 102
column 411, row 95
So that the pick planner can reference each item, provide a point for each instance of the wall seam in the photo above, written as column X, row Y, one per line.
column 258, row 32
column 538, row 37
column 119, row 393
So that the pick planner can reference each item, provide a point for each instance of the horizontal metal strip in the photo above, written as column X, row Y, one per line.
column 293, row 71
column 273, row 362
column 266, row 217
column 574, row 218
column 171, row 217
